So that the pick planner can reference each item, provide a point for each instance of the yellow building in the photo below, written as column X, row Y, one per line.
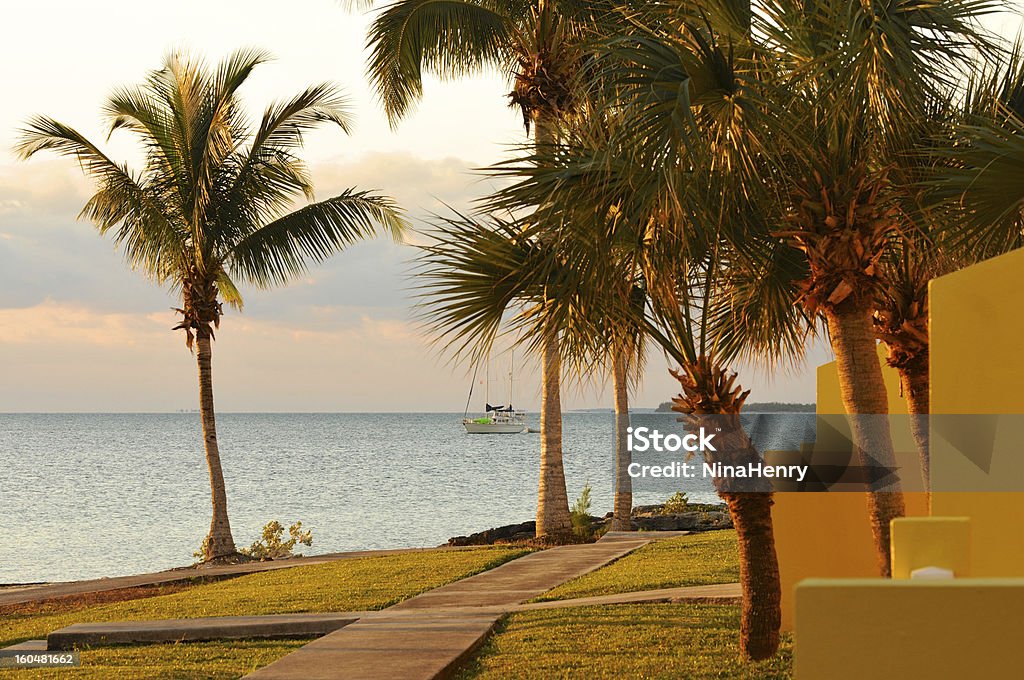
column 850, row 625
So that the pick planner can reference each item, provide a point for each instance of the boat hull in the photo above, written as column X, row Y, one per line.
column 494, row 428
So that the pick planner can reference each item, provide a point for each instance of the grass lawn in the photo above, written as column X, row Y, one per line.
column 346, row 585
column 695, row 560
column 623, row 641
column 213, row 660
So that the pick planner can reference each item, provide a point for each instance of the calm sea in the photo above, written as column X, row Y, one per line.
column 91, row 495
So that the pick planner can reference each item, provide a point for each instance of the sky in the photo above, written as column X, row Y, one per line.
column 80, row 331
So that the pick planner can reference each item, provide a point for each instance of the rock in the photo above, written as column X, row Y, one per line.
column 686, row 521
column 505, row 534
column 645, row 518
column 647, row 510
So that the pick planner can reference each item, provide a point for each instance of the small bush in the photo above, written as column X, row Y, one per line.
column 580, row 512
column 272, row 547
column 676, row 505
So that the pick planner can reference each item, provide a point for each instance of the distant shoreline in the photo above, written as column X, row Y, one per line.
column 758, row 407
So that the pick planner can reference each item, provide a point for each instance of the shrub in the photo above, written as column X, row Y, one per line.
column 676, row 505
column 272, row 547
column 580, row 512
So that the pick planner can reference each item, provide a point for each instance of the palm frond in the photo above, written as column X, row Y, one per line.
column 283, row 249
column 449, row 38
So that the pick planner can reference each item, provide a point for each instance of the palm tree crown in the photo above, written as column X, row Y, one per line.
column 213, row 203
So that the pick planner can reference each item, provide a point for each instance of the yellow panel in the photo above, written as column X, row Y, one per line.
column 825, row 535
column 997, row 541
column 908, row 629
column 829, row 399
column 828, row 534
column 977, row 345
column 943, row 542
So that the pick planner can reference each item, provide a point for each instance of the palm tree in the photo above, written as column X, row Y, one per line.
column 979, row 160
column 901, row 323
column 537, row 44
column 213, row 203
column 807, row 110
column 481, row 277
column 937, row 237
column 615, row 225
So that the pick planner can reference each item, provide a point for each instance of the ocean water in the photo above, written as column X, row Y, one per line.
column 93, row 495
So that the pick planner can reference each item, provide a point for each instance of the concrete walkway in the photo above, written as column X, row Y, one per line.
column 724, row 593
column 49, row 591
column 429, row 636
column 200, row 629
column 277, row 626
column 425, row 637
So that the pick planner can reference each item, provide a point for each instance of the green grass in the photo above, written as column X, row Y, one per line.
column 694, row 560
column 623, row 641
column 347, row 585
column 213, row 660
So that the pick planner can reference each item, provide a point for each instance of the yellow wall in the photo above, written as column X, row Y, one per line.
column 921, row 542
column 827, row 534
column 977, row 367
column 909, row 629
column 977, row 360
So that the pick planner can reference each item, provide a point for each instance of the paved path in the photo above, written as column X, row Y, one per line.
column 48, row 591
column 200, row 629
column 429, row 636
column 724, row 593
column 425, row 637
column 527, row 577
column 277, row 626
column 426, row 644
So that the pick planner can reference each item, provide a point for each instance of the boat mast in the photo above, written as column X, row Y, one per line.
column 511, row 380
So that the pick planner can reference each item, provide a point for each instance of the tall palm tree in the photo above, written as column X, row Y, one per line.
column 537, row 45
column 482, row 277
column 819, row 98
column 213, row 204
column 614, row 220
column 938, row 222
column 901, row 323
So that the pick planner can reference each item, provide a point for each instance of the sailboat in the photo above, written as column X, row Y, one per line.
column 496, row 419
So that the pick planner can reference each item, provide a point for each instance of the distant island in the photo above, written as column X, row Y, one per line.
column 758, row 407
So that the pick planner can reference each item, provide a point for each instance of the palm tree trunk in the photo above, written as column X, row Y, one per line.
column 863, row 393
column 916, row 389
column 623, row 505
column 219, row 542
column 553, row 520
column 761, row 614
column 711, row 400
column 750, row 506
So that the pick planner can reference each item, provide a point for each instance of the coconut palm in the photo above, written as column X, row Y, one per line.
column 213, row 205
column 538, row 46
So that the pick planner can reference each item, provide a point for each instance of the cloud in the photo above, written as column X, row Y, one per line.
column 55, row 324
column 420, row 186
column 79, row 331
column 66, row 357
column 46, row 253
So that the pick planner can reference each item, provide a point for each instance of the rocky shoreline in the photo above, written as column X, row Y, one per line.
column 644, row 518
